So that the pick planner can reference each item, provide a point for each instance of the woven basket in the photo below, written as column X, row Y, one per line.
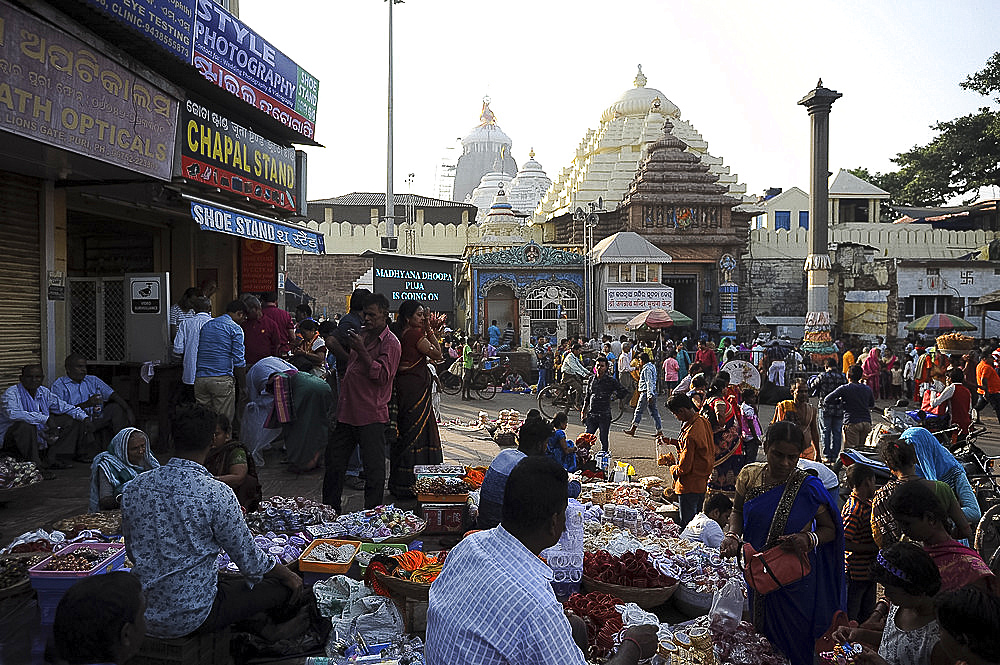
column 401, row 587
column 647, row 598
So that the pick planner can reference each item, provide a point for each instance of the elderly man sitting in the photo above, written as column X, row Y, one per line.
column 33, row 420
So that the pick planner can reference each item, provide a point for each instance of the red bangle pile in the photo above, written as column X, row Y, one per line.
column 602, row 619
column 630, row 569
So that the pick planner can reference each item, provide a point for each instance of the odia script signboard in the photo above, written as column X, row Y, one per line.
column 640, row 299
column 55, row 89
column 429, row 281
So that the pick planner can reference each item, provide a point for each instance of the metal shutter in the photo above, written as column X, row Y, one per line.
column 20, row 269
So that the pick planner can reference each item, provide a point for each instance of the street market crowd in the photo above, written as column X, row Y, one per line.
column 889, row 570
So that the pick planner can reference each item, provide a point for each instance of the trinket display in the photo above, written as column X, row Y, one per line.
column 599, row 612
column 283, row 548
column 842, row 654
column 80, row 559
column 15, row 474
column 381, row 523
column 634, row 569
column 289, row 515
column 106, row 522
column 441, row 485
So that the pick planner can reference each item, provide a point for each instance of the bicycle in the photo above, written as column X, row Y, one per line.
column 562, row 397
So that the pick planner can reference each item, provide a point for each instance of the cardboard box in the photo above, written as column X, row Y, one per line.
column 445, row 517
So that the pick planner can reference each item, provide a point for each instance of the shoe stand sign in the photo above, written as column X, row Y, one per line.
column 147, row 303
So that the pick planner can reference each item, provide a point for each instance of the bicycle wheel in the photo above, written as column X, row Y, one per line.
column 551, row 401
column 988, row 538
column 489, row 391
column 618, row 408
column 450, row 384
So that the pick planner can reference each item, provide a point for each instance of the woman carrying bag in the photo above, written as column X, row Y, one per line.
column 779, row 505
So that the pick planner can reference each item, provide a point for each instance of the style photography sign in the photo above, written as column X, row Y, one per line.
column 55, row 89
column 237, row 59
column 425, row 280
column 219, row 152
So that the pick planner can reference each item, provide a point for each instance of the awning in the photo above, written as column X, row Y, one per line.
column 212, row 216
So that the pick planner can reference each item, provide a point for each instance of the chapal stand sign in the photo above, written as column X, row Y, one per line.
column 219, row 152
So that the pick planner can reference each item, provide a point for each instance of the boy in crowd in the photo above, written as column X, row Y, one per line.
column 859, row 542
column 707, row 526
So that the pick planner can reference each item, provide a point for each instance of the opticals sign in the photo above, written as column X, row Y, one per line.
column 56, row 90
column 640, row 299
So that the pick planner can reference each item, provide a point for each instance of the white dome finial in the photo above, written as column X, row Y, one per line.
column 640, row 79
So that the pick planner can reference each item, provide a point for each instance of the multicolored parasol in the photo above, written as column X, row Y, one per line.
column 934, row 323
column 659, row 318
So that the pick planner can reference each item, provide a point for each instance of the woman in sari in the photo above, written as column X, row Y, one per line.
column 872, row 370
column 799, row 411
column 921, row 517
column 418, row 441
column 934, row 462
column 230, row 463
column 727, row 434
column 127, row 456
column 778, row 504
column 260, row 403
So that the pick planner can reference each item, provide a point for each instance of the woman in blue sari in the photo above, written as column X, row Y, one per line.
column 779, row 504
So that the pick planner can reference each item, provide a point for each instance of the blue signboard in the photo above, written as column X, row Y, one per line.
column 234, row 57
column 167, row 23
column 245, row 225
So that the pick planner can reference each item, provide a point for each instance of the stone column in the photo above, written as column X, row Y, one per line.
column 818, row 103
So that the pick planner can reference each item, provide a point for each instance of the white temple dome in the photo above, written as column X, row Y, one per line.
column 637, row 101
column 487, row 131
column 484, row 194
column 529, row 185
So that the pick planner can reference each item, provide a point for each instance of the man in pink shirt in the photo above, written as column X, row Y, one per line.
column 282, row 319
column 372, row 359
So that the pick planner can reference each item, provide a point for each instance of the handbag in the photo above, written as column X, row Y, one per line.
column 773, row 568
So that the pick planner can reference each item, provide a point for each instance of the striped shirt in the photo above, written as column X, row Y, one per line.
column 857, row 516
column 493, row 604
column 220, row 347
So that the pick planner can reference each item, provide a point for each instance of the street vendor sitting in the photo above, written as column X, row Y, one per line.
column 493, row 602
column 531, row 439
column 176, row 519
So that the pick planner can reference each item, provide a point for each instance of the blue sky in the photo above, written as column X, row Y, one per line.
column 735, row 69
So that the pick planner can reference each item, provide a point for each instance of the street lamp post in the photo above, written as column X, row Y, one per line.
column 390, row 230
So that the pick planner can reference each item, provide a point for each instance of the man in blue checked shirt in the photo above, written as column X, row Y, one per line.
column 176, row 519
column 493, row 602
column 647, row 396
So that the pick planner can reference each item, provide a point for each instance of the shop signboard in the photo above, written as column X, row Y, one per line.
column 399, row 278
column 639, row 299
column 215, row 217
column 219, row 152
column 237, row 59
column 56, row 90
column 258, row 266
column 167, row 23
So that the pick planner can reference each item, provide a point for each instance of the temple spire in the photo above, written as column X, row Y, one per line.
column 640, row 79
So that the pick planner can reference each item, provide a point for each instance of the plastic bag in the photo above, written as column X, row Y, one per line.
column 379, row 621
column 727, row 603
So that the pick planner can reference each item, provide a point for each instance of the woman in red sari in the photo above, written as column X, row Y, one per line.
column 418, row 441
column 921, row 517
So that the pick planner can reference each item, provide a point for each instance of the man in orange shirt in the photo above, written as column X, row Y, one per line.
column 696, row 448
column 989, row 385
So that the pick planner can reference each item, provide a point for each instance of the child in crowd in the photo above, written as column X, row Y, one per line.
column 859, row 542
column 558, row 448
column 911, row 580
column 707, row 526
column 752, row 431
column 896, row 375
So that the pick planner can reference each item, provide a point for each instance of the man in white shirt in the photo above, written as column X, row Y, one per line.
column 574, row 373
column 707, row 526
column 186, row 343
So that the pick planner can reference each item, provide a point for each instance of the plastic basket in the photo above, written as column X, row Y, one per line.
column 51, row 585
column 306, row 565
column 373, row 547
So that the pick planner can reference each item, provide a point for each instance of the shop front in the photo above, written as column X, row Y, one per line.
column 128, row 177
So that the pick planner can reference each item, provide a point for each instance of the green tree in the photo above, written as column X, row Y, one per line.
column 964, row 156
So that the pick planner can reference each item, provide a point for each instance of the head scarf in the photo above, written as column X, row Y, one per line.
column 115, row 466
column 933, row 460
column 872, row 362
